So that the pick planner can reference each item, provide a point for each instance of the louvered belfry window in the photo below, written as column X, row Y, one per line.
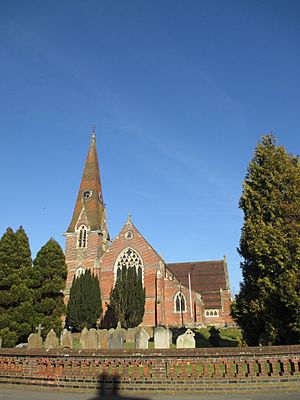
column 82, row 237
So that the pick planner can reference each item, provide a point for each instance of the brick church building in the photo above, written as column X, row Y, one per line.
column 190, row 293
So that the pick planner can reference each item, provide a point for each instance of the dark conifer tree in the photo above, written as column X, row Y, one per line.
column 127, row 298
column 84, row 307
column 268, row 305
column 17, row 317
column 50, row 276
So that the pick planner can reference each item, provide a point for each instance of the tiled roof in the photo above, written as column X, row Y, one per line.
column 90, row 182
column 212, row 299
column 207, row 278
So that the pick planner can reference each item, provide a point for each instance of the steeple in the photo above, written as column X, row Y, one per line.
column 89, row 204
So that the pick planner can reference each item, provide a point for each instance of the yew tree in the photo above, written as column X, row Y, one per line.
column 268, row 305
column 84, row 307
column 50, row 276
column 17, row 316
column 127, row 298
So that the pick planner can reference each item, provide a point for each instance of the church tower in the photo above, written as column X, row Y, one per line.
column 87, row 237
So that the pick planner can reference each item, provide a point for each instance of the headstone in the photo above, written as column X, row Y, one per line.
column 83, row 337
column 103, row 338
column 89, row 339
column 121, row 330
column 39, row 329
column 51, row 341
column 142, row 339
column 162, row 338
column 130, row 334
column 66, row 339
column 115, row 339
column 35, row 341
column 186, row 340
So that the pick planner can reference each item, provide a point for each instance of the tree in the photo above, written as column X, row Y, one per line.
column 127, row 298
column 17, row 317
column 268, row 305
column 50, row 275
column 84, row 307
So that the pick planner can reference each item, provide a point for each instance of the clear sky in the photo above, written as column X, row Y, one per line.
column 180, row 92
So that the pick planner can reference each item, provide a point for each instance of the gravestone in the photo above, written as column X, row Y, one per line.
column 39, row 329
column 103, row 338
column 35, row 341
column 186, row 340
column 89, row 339
column 51, row 341
column 142, row 339
column 121, row 330
column 162, row 338
column 83, row 337
column 66, row 339
column 130, row 334
column 115, row 339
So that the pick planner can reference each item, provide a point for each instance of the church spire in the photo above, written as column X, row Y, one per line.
column 90, row 199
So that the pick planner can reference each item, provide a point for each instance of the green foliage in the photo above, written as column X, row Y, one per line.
column 50, row 272
column 127, row 298
column 17, row 317
column 268, row 305
column 84, row 307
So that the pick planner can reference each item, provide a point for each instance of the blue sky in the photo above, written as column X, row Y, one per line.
column 180, row 92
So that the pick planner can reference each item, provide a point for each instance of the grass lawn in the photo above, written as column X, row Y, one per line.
column 230, row 337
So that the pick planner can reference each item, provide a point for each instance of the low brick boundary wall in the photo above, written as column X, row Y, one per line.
column 191, row 370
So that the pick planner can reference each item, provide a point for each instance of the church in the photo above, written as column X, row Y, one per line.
column 177, row 294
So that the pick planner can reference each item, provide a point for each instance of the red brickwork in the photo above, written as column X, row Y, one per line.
column 87, row 257
column 162, row 282
column 160, row 289
column 190, row 370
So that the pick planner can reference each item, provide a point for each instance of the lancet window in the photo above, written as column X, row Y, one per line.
column 82, row 237
column 180, row 302
column 130, row 258
column 79, row 271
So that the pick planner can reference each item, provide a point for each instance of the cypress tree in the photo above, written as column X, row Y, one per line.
column 268, row 305
column 17, row 317
column 50, row 274
column 84, row 307
column 127, row 298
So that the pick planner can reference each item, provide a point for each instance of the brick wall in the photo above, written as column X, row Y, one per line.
column 192, row 370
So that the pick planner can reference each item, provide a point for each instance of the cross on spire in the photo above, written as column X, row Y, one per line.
column 93, row 130
column 129, row 219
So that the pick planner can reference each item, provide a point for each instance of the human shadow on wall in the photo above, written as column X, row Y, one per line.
column 109, row 389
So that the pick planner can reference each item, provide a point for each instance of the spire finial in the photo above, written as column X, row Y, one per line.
column 93, row 131
column 129, row 219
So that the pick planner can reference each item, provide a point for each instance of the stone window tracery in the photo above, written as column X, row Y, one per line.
column 180, row 302
column 130, row 258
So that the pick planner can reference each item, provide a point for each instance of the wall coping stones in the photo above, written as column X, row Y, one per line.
column 197, row 352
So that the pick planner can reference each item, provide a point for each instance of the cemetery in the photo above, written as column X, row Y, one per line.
column 81, row 361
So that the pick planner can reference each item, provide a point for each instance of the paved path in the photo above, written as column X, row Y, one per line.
column 29, row 394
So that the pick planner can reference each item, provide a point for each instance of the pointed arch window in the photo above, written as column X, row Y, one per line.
column 179, row 302
column 79, row 271
column 82, row 237
column 130, row 258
